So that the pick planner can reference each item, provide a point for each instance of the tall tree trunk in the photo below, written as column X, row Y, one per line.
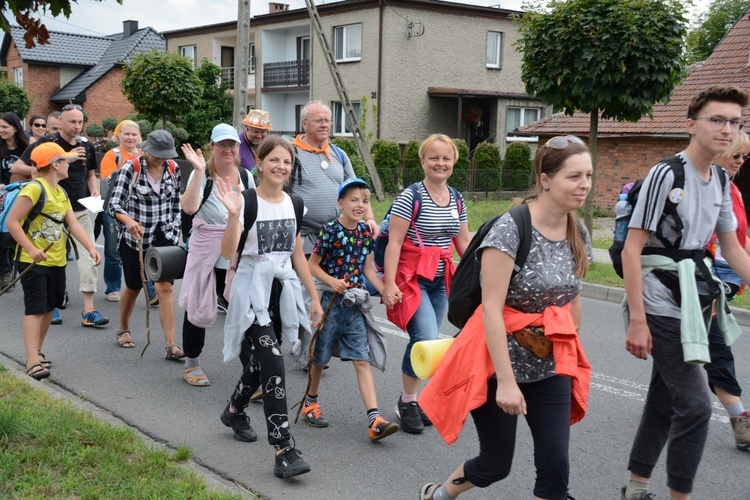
column 589, row 206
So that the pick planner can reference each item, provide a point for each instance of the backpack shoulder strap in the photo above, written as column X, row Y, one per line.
column 459, row 198
column 416, row 202
column 245, row 177
column 249, row 216
column 38, row 207
column 522, row 217
column 339, row 152
column 677, row 165
column 299, row 210
column 722, row 174
column 118, row 157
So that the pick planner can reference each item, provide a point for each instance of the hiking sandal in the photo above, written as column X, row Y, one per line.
column 174, row 353
column 37, row 371
column 196, row 380
column 44, row 361
column 125, row 343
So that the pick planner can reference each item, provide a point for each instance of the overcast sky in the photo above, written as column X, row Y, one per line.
column 106, row 17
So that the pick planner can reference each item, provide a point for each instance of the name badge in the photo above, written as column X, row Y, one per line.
column 454, row 213
column 324, row 164
column 676, row 196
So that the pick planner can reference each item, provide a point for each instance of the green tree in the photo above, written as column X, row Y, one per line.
column 161, row 85
column 711, row 26
column 487, row 166
column 412, row 164
column 27, row 13
column 387, row 158
column 14, row 98
column 95, row 130
column 215, row 106
column 460, row 177
column 619, row 57
column 516, row 174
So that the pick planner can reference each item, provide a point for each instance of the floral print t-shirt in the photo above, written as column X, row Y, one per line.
column 343, row 251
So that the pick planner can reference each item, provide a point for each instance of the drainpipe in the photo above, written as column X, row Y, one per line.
column 380, row 68
column 460, row 112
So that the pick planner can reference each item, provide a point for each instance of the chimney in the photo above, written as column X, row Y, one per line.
column 277, row 7
column 128, row 28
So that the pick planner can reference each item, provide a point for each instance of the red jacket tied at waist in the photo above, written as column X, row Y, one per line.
column 460, row 383
column 416, row 263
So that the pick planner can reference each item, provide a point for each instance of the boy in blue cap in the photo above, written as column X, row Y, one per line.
column 340, row 261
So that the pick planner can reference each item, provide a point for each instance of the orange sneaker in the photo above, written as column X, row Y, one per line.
column 314, row 416
column 381, row 428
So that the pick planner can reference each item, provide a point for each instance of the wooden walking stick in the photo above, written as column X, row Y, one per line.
column 18, row 278
column 301, row 403
column 145, row 294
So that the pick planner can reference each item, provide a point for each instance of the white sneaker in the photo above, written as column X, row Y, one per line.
column 113, row 296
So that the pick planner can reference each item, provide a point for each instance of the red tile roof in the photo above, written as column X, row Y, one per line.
column 729, row 64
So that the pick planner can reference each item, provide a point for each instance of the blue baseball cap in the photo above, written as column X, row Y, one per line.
column 224, row 132
column 350, row 183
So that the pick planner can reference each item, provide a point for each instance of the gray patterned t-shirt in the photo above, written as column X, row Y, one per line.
column 547, row 278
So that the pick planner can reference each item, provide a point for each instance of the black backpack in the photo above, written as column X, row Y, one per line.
column 707, row 288
column 466, row 290
column 186, row 221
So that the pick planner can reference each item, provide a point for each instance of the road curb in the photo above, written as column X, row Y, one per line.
column 615, row 294
column 213, row 480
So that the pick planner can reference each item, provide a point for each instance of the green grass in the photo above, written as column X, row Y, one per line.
column 49, row 448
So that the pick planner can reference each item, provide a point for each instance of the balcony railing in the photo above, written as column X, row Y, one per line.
column 228, row 74
column 287, row 74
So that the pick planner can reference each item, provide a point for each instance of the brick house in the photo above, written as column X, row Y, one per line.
column 81, row 69
column 628, row 150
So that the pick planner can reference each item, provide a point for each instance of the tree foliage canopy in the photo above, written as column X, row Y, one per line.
column 161, row 85
column 27, row 13
column 215, row 105
column 14, row 98
column 616, row 56
column 711, row 27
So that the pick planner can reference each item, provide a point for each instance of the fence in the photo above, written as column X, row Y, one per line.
column 505, row 178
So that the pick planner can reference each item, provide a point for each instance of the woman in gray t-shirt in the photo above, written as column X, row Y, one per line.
column 523, row 383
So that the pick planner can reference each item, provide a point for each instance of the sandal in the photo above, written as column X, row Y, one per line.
column 126, row 343
column 174, row 353
column 37, row 371
column 44, row 361
column 196, row 380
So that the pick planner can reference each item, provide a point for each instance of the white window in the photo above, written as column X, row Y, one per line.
column 494, row 56
column 340, row 122
column 251, row 62
column 348, row 43
column 191, row 53
column 18, row 76
column 518, row 117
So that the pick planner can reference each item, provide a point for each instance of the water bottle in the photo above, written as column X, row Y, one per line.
column 622, row 213
column 386, row 223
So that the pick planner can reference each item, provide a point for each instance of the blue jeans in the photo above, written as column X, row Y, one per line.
column 112, row 262
column 427, row 320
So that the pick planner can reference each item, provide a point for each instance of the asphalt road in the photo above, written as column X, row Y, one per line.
column 150, row 395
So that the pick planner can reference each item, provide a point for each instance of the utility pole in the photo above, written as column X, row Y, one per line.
column 241, row 61
column 364, row 151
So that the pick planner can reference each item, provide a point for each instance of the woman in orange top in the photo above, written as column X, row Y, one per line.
column 127, row 135
column 523, row 383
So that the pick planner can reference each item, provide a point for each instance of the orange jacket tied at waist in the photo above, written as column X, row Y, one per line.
column 460, row 382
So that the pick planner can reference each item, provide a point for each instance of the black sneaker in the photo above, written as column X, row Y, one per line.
column 425, row 419
column 240, row 424
column 289, row 463
column 409, row 414
column 222, row 305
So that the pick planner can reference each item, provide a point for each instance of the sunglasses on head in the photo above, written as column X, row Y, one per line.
column 737, row 156
column 562, row 142
column 69, row 107
column 39, row 125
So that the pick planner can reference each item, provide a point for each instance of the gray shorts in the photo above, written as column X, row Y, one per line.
column 345, row 330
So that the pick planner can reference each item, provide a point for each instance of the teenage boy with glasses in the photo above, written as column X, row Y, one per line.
column 678, row 405
column 80, row 183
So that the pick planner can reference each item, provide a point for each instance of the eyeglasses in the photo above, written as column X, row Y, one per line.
column 562, row 142
column 321, row 121
column 719, row 122
column 70, row 107
column 737, row 156
column 39, row 125
column 230, row 145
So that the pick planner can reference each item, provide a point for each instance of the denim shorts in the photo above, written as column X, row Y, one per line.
column 345, row 329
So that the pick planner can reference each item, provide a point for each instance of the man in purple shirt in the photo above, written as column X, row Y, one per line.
column 257, row 124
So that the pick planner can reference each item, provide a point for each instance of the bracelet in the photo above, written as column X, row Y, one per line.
column 370, row 218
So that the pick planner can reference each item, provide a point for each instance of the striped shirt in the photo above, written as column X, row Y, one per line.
column 437, row 225
column 150, row 209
